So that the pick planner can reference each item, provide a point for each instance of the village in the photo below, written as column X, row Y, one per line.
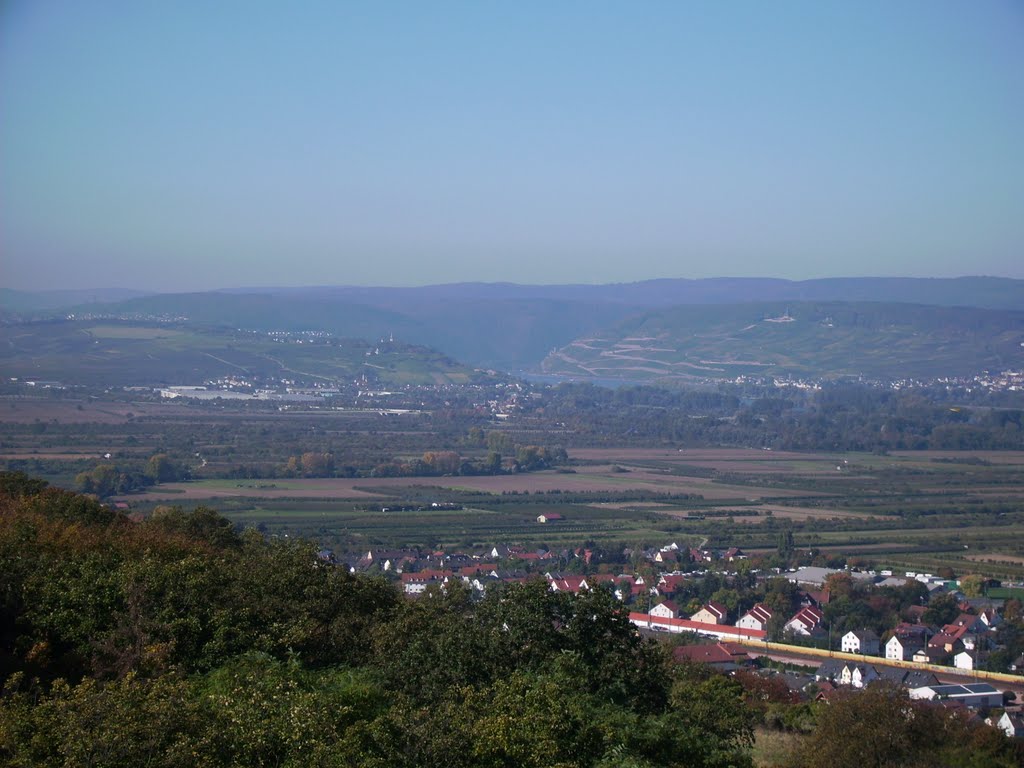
column 724, row 609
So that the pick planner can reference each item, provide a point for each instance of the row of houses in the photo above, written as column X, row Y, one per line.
column 961, row 643
column 480, row 575
column 398, row 561
column 672, row 554
column 806, row 622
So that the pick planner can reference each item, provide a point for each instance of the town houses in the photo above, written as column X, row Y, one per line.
column 719, row 594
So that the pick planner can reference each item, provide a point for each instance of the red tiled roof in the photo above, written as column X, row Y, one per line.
column 569, row 583
column 717, row 608
column 710, row 653
column 761, row 612
column 809, row 616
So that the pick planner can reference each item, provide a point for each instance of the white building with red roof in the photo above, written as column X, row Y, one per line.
column 756, row 618
column 711, row 613
column 806, row 622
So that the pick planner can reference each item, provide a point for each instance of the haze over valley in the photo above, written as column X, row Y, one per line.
column 525, row 385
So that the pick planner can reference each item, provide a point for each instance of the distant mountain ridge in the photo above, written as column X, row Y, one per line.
column 512, row 326
column 986, row 292
column 28, row 301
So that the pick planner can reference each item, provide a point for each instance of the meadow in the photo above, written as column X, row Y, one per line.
column 914, row 511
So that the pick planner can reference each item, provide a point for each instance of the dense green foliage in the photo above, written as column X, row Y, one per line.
column 176, row 641
column 891, row 731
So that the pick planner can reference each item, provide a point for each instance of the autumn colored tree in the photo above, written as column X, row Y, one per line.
column 972, row 585
column 880, row 727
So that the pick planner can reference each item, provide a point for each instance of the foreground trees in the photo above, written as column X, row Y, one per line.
column 178, row 642
column 891, row 731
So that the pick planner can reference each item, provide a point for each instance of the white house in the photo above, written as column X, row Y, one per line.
column 1012, row 724
column 806, row 622
column 858, row 675
column 862, row 641
column 549, row 518
column 903, row 647
column 756, row 618
column 964, row 660
column 968, row 659
column 665, row 610
column 990, row 618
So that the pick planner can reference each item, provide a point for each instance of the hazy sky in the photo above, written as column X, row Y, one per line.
column 185, row 145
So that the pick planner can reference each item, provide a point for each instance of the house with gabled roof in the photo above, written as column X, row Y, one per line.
column 827, row 692
column 833, row 670
column 701, row 555
column 857, row 675
column 990, row 618
column 830, row 669
column 711, row 613
column 573, row 584
column 1012, row 724
column 814, row 597
column 722, row 655
column 487, row 569
column 806, row 622
column 906, row 640
column 902, row 647
column 968, row 659
column 756, row 618
column 670, row 583
column 417, row 583
column 862, row 641
column 967, row 622
column 667, row 557
column 388, row 560
column 946, row 642
column 665, row 610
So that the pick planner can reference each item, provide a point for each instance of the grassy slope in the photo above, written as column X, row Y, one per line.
column 139, row 354
column 823, row 339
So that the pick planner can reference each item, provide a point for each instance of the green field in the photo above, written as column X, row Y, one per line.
column 883, row 510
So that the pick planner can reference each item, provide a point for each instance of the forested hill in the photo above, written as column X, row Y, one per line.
column 176, row 641
column 119, row 353
column 503, row 325
column 800, row 339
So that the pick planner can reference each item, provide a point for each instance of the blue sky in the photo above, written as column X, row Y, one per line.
column 189, row 145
